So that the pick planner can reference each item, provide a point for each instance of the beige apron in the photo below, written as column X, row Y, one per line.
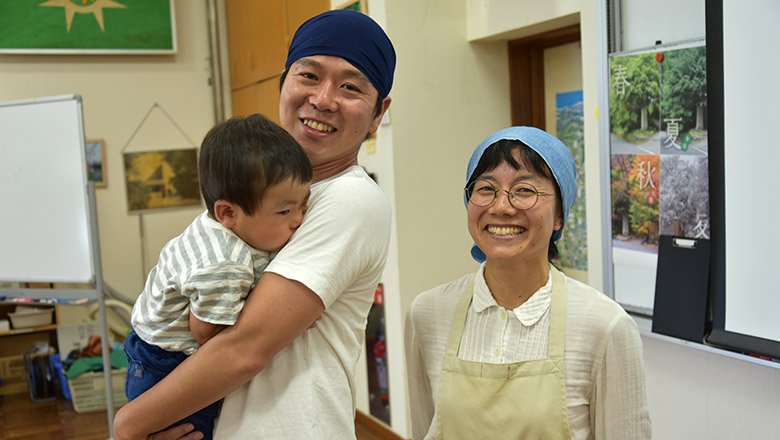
column 522, row 400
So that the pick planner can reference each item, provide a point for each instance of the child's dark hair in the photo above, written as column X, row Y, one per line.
column 242, row 157
column 501, row 152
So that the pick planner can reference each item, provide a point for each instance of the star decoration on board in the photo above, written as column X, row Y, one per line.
column 83, row 7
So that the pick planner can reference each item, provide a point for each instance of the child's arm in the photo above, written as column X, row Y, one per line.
column 203, row 331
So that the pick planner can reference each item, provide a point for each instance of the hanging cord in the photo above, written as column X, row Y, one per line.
column 143, row 247
column 158, row 106
column 140, row 217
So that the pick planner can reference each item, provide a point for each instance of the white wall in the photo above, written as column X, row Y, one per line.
column 117, row 92
column 698, row 393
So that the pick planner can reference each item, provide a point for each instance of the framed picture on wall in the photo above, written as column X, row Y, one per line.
column 96, row 162
column 355, row 5
column 87, row 27
column 161, row 179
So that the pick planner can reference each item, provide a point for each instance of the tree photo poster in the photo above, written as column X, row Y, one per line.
column 570, row 129
column 659, row 168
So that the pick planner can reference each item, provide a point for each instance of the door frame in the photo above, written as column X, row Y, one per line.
column 526, row 73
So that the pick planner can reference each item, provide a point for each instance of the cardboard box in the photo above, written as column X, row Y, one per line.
column 12, row 367
column 75, row 336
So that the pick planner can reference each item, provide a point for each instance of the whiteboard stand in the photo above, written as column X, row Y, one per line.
column 91, row 294
column 42, row 168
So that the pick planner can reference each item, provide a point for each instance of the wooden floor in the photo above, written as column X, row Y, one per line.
column 23, row 419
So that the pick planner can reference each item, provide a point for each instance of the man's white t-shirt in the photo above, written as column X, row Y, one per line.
column 339, row 252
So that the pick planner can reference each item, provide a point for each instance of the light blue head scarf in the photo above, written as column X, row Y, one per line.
column 555, row 154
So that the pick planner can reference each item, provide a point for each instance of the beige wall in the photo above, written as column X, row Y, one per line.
column 117, row 92
column 449, row 95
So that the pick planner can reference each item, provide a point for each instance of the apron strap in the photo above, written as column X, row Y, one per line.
column 459, row 320
column 557, row 341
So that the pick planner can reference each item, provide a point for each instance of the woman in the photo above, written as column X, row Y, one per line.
column 518, row 350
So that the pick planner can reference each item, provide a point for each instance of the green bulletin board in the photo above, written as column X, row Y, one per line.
column 87, row 26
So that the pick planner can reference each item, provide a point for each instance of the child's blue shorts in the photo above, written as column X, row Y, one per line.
column 149, row 364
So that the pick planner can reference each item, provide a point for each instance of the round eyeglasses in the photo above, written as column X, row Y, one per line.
column 521, row 196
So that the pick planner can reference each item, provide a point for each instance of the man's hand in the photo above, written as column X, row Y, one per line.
column 314, row 324
column 179, row 432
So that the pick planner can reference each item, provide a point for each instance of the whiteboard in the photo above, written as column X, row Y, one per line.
column 45, row 229
column 751, row 157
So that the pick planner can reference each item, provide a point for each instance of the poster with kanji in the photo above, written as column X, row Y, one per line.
column 659, row 167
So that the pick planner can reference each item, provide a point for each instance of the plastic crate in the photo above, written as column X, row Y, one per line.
column 88, row 391
column 33, row 317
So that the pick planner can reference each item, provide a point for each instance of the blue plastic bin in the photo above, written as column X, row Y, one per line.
column 55, row 359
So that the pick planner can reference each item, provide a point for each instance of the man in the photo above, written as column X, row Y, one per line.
column 334, row 91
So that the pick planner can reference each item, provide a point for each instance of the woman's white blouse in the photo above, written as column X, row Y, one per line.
column 605, row 381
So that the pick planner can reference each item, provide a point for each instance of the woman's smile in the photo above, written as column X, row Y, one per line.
column 505, row 230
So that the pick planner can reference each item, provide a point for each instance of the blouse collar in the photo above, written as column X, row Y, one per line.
column 527, row 313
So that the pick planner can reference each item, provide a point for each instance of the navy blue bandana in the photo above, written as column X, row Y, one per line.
column 350, row 35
